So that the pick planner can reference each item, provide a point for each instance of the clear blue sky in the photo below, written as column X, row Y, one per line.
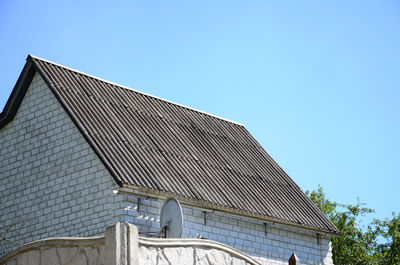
column 316, row 82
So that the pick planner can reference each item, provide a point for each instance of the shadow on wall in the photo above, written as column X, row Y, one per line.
column 122, row 246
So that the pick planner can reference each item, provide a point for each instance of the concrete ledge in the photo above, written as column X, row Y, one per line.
column 194, row 242
column 122, row 246
column 67, row 242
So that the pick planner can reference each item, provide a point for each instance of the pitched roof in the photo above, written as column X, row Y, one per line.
column 159, row 146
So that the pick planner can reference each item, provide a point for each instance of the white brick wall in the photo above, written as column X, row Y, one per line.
column 271, row 244
column 51, row 182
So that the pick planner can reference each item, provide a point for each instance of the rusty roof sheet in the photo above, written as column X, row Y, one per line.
column 157, row 145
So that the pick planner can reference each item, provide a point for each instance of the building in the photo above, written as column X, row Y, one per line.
column 78, row 153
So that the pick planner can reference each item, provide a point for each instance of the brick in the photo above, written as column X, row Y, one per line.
column 34, row 149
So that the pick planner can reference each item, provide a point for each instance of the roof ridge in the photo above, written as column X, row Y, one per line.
column 134, row 90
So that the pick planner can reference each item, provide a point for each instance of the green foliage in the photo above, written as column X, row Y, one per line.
column 357, row 245
column 389, row 252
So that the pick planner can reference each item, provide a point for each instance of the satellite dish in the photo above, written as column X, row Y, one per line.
column 171, row 219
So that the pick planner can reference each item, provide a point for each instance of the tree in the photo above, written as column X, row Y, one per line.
column 358, row 245
column 389, row 252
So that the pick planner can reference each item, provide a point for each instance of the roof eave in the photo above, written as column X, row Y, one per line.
column 132, row 190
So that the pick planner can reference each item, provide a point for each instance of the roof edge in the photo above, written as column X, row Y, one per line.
column 17, row 94
column 30, row 56
column 35, row 65
column 132, row 190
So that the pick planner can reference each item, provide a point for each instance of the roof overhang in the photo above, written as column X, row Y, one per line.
column 203, row 205
column 18, row 93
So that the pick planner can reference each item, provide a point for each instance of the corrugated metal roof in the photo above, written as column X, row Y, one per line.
column 157, row 145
